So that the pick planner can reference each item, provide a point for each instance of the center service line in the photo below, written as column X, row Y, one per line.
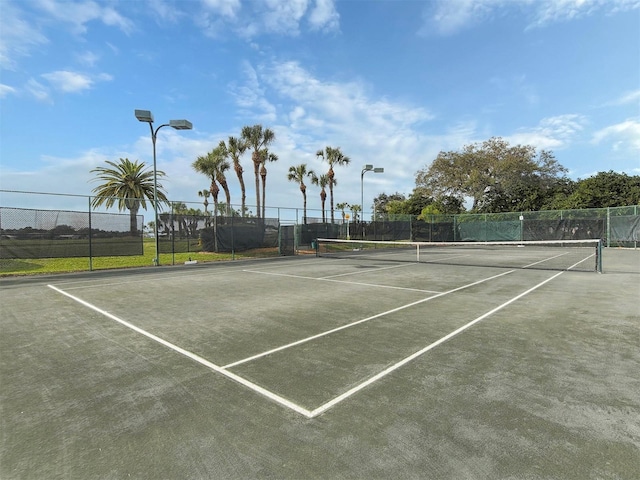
column 349, row 325
column 192, row 356
column 357, row 388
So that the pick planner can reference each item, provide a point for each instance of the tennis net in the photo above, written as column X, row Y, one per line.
column 579, row 255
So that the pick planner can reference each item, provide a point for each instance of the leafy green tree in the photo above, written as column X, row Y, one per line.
column 257, row 138
column 297, row 174
column 493, row 174
column 130, row 185
column 381, row 201
column 606, row 189
column 333, row 156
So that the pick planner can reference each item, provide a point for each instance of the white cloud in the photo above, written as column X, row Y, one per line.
column 324, row 16
column 17, row 36
column 308, row 113
column 623, row 136
column 445, row 17
column 551, row 133
column 226, row 8
column 553, row 11
column 6, row 90
column 87, row 58
column 626, row 99
column 280, row 17
column 80, row 13
column 72, row 82
column 39, row 91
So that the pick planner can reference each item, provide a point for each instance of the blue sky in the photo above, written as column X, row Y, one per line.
column 391, row 82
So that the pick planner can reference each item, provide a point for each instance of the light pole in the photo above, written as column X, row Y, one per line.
column 365, row 169
column 147, row 116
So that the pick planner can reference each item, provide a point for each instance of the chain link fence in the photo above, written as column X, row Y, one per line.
column 77, row 230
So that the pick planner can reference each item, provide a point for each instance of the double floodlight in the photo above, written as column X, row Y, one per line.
column 147, row 116
column 370, row 168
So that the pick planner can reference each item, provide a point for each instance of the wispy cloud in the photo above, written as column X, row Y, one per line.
column 551, row 133
column 446, row 17
column 17, row 36
column 73, row 82
column 626, row 99
column 279, row 17
column 553, row 11
column 80, row 13
column 622, row 136
column 37, row 90
column 6, row 90
column 309, row 113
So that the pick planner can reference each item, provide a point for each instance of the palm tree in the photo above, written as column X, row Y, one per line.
column 297, row 174
column 220, row 154
column 323, row 181
column 236, row 147
column 178, row 211
column 257, row 138
column 207, row 165
column 130, row 184
column 205, row 193
column 213, row 165
column 266, row 156
column 341, row 206
column 333, row 156
column 355, row 209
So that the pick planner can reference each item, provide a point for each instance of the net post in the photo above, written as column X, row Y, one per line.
column 599, row 256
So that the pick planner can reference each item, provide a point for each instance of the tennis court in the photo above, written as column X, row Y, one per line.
column 312, row 367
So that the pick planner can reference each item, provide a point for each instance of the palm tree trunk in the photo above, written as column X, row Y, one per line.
column 330, row 174
column 238, row 169
column 263, row 175
column 304, row 203
column 256, row 171
column 133, row 221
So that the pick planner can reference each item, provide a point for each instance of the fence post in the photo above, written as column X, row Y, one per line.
column 90, row 239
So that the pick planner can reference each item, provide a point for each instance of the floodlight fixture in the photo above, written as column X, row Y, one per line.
column 180, row 124
column 147, row 117
column 144, row 116
column 367, row 168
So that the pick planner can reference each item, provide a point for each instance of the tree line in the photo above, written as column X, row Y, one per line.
column 257, row 139
column 491, row 176
column 495, row 177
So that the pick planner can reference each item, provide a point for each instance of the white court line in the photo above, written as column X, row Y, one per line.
column 545, row 260
column 327, row 279
column 361, row 272
column 323, row 408
column 357, row 388
column 192, row 356
column 349, row 325
column 191, row 273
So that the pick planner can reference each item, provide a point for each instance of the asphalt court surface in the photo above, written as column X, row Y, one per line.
column 231, row 315
column 321, row 368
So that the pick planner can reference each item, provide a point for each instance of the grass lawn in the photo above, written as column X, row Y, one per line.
column 77, row 264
